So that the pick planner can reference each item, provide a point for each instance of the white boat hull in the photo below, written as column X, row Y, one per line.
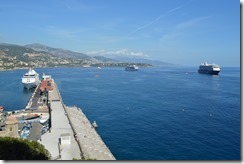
column 44, row 119
column 131, row 68
column 29, row 85
column 30, row 79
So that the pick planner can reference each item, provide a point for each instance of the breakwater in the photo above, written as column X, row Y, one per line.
column 91, row 143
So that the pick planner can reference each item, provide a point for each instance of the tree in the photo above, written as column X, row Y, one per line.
column 22, row 149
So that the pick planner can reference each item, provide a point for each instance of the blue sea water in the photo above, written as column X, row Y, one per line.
column 152, row 114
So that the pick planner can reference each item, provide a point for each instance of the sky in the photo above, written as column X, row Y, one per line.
column 185, row 32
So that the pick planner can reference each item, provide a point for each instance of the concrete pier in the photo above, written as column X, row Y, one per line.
column 71, row 135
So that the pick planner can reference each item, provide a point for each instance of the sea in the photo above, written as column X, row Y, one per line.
column 155, row 113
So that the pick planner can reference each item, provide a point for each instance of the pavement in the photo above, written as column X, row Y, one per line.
column 60, row 125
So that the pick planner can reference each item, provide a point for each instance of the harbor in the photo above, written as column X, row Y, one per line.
column 64, row 131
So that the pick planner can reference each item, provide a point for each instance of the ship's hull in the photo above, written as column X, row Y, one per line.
column 212, row 69
column 209, row 72
column 131, row 69
column 29, row 83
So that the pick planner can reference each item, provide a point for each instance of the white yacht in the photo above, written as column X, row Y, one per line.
column 213, row 69
column 30, row 79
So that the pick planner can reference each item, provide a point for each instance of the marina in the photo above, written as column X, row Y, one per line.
column 64, row 131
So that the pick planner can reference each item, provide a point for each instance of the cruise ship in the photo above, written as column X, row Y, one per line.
column 30, row 79
column 131, row 68
column 206, row 68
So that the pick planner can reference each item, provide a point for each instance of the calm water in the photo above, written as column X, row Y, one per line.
column 152, row 114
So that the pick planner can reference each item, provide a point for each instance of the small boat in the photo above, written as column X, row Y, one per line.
column 94, row 124
column 44, row 119
column 131, row 68
column 1, row 109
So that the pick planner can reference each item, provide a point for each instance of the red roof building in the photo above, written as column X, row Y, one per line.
column 46, row 84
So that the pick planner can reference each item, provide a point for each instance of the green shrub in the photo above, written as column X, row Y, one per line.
column 20, row 149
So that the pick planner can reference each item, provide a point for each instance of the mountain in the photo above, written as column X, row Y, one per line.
column 142, row 60
column 21, row 53
column 14, row 50
column 62, row 53
column 15, row 56
column 39, row 55
column 104, row 59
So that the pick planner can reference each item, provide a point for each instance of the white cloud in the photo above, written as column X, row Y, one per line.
column 192, row 22
column 122, row 52
column 63, row 33
column 172, row 10
column 154, row 21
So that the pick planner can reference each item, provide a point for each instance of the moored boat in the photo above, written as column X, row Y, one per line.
column 44, row 119
column 30, row 79
column 1, row 109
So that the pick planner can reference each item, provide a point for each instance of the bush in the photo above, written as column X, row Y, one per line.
column 20, row 149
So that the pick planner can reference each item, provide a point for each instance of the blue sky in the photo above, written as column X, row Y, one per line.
column 186, row 32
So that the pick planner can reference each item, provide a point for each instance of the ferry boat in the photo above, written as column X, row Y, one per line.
column 206, row 68
column 30, row 79
column 131, row 68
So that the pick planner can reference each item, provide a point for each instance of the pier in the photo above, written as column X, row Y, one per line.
column 68, row 133
column 71, row 134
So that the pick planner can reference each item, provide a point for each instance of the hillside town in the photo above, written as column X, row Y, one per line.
column 42, row 60
column 37, row 60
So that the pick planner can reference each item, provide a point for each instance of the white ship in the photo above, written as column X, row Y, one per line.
column 30, row 79
column 131, row 68
column 213, row 69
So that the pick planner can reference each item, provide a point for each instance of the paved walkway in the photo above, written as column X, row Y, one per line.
column 60, row 126
column 32, row 104
column 54, row 94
